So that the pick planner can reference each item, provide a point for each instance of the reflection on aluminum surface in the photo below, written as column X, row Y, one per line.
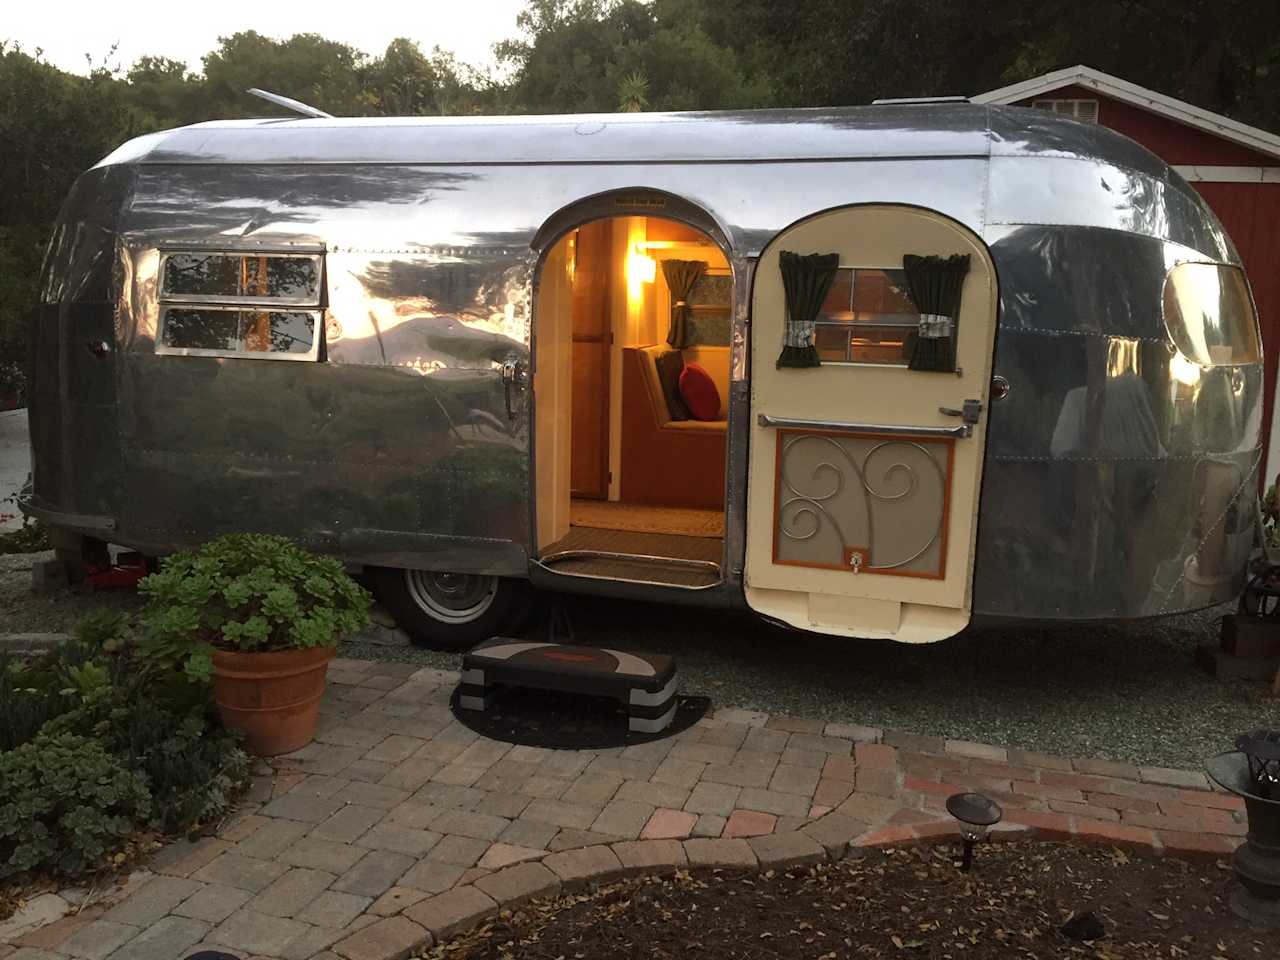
column 1120, row 472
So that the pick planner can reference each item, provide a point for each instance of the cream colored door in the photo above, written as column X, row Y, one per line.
column 864, row 475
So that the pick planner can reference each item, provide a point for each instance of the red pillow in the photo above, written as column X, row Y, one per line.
column 699, row 392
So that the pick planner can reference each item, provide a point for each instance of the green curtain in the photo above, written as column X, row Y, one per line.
column 806, row 280
column 935, row 284
column 681, row 275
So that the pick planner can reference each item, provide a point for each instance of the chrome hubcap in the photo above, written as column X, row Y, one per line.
column 451, row 597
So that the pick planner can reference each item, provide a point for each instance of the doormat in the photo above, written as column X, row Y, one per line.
column 567, row 721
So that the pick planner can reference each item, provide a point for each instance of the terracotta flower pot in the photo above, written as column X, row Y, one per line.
column 273, row 698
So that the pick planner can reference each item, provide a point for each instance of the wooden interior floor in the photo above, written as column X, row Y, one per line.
column 637, row 547
column 682, row 521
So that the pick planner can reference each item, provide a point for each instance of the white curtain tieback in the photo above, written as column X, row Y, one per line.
column 935, row 326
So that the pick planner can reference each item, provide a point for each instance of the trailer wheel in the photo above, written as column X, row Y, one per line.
column 452, row 611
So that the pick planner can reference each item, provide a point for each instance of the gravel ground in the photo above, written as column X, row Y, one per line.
column 1126, row 692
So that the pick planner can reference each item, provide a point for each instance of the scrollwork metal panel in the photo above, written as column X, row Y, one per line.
column 866, row 503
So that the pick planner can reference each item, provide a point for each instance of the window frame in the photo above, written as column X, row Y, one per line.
column 313, row 305
column 853, row 325
column 1250, row 302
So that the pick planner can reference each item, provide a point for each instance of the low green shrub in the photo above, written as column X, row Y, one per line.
column 67, row 803
column 28, row 538
column 248, row 592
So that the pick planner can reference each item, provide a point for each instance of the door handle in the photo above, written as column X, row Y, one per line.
column 513, row 376
column 971, row 412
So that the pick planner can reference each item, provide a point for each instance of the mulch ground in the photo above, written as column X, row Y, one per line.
column 903, row 903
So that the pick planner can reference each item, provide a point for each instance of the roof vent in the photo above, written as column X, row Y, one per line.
column 913, row 100
column 1086, row 111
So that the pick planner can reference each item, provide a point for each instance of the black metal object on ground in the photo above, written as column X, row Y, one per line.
column 568, row 721
column 1257, row 860
column 645, row 684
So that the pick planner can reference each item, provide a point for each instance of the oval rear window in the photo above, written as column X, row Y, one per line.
column 1209, row 314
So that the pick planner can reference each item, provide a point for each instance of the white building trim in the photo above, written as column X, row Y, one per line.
column 1210, row 173
column 1131, row 93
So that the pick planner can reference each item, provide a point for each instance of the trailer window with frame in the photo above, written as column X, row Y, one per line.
column 868, row 317
column 1209, row 314
column 253, row 305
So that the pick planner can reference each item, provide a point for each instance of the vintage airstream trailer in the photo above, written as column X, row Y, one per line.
column 868, row 371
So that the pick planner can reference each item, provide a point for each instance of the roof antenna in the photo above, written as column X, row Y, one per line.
column 297, row 106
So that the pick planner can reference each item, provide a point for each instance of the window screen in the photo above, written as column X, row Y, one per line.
column 868, row 317
column 221, row 304
column 1209, row 314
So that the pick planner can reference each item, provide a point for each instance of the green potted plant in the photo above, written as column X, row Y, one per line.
column 261, row 617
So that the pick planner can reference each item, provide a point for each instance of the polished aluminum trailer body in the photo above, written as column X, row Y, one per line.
column 407, row 448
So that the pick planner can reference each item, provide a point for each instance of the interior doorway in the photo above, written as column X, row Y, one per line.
column 631, row 385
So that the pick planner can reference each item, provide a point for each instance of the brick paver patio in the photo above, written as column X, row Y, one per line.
column 400, row 827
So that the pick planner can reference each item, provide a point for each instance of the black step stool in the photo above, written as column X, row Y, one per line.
column 645, row 683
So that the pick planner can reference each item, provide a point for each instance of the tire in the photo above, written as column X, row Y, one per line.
column 451, row 611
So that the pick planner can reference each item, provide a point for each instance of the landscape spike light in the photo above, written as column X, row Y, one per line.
column 977, row 815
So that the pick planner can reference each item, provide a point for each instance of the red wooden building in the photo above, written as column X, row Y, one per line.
column 1234, row 166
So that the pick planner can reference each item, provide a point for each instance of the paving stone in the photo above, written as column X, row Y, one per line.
column 393, row 938
column 851, row 731
column 543, row 788
column 291, row 892
column 414, row 815
column 155, row 899
column 770, row 801
column 272, row 839
column 375, row 873
column 242, row 827
column 50, row 936
column 1106, row 768
column 1187, row 779
column 483, row 753
column 723, row 854
column 515, row 885
column 318, row 786
column 368, row 771
column 592, row 789
column 714, row 798
column 470, row 824
column 623, row 818
column 256, row 933
column 334, row 909
column 800, row 781
column 977, row 751
column 495, row 780
column 708, row 825
column 659, row 857
column 738, row 775
column 183, row 858
column 458, row 774
column 666, row 824
column 505, row 805
column 914, row 742
column 453, row 912
column 345, row 735
column 372, row 795
column 701, row 753
column 501, row 855
column 411, row 774
column 213, row 903
column 396, row 899
column 460, row 851
column 749, row 718
column 235, row 870
column 818, row 743
column 313, row 942
column 765, row 740
column 397, row 839
column 527, row 833
column 808, row 759
column 451, row 795
column 349, row 823
column 749, row 823
column 832, row 793
column 307, row 809
column 321, row 854
column 433, row 876
column 99, row 939
column 331, row 760
column 834, row 831
column 163, row 940
column 561, row 814
column 622, row 767
column 565, row 764
column 570, row 839
column 679, row 773
column 787, row 849
column 654, row 794
column 584, row 865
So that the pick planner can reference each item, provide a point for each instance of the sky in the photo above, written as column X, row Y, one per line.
column 68, row 29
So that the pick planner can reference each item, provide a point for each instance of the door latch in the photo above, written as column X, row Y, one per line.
column 971, row 413
column 513, row 377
